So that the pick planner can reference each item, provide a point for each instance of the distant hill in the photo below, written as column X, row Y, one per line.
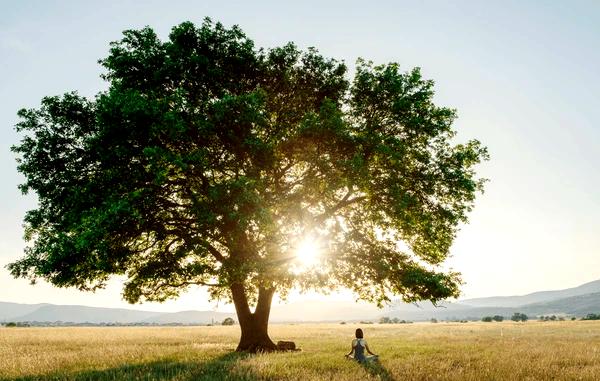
column 574, row 305
column 579, row 305
column 83, row 314
column 536, row 297
column 51, row 313
column 10, row 311
column 577, row 301
column 190, row 317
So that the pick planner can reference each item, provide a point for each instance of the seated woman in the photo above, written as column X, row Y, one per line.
column 359, row 345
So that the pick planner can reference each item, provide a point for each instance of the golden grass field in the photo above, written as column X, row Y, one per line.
column 567, row 350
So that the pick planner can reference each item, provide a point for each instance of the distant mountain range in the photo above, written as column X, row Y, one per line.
column 95, row 315
column 536, row 297
column 577, row 301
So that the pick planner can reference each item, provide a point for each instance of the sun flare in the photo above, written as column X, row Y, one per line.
column 308, row 252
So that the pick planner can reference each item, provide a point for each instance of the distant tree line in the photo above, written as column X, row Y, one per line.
column 387, row 320
column 88, row 324
column 518, row 316
column 591, row 317
column 489, row 319
column 16, row 324
column 228, row 321
column 553, row 318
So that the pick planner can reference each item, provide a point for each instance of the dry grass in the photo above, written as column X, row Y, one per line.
column 471, row 351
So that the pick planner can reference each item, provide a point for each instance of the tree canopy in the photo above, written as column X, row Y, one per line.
column 209, row 162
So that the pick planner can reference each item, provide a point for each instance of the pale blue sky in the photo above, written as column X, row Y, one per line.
column 523, row 75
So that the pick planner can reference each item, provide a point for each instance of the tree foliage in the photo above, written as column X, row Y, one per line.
column 591, row 317
column 518, row 316
column 228, row 321
column 207, row 161
column 498, row 318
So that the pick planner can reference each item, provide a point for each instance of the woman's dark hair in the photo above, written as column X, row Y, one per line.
column 359, row 333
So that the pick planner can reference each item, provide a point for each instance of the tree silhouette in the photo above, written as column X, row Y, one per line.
column 209, row 162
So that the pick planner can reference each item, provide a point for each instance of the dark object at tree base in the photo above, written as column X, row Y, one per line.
column 256, row 344
column 257, row 348
column 286, row 346
column 266, row 347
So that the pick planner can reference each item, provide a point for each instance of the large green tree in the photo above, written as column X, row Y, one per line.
column 209, row 162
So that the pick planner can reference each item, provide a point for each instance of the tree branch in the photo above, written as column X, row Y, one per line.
column 344, row 202
column 215, row 253
column 263, row 306
column 183, row 284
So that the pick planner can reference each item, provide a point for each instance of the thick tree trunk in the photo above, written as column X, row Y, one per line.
column 254, row 325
